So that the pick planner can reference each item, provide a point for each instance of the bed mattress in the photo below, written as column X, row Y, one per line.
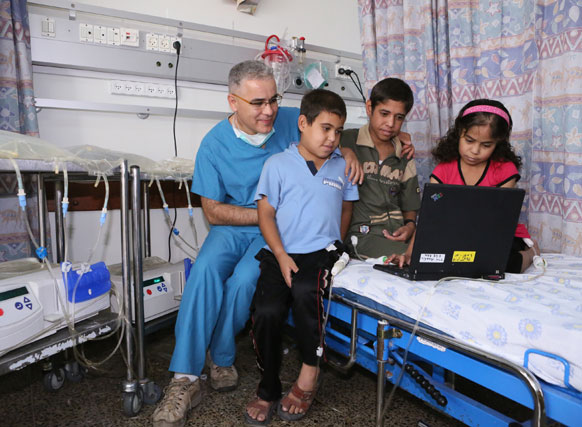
column 506, row 318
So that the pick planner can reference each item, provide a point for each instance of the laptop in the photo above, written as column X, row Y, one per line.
column 464, row 231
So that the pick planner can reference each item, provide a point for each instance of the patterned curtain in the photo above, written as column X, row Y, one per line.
column 17, row 114
column 527, row 55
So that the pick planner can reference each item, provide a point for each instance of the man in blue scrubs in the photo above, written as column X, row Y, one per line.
column 216, row 300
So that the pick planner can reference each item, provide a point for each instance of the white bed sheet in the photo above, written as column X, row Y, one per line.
column 505, row 318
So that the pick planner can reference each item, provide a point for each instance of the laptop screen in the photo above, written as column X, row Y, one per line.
column 465, row 230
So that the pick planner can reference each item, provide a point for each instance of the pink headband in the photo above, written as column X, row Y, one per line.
column 487, row 109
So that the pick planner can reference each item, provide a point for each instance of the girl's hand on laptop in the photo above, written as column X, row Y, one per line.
column 288, row 268
column 400, row 260
column 402, row 234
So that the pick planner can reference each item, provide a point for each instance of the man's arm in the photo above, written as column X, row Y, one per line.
column 347, row 208
column 268, row 227
column 218, row 213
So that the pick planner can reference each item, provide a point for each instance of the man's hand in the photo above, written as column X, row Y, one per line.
column 353, row 166
column 402, row 234
column 407, row 147
column 287, row 266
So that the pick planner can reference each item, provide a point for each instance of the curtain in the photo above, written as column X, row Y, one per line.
column 17, row 114
column 525, row 54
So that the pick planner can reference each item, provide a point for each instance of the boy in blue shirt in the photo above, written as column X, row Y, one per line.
column 304, row 204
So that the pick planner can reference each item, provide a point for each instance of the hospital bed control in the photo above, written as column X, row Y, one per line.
column 426, row 385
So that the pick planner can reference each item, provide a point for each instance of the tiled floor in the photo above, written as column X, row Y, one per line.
column 97, row 400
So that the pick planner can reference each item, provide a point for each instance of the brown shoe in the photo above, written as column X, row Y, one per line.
column 180, row 396
column 222, row 378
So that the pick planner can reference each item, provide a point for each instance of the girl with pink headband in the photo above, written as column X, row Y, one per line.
column 476, row 151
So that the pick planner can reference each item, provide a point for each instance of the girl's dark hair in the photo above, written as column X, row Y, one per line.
column 447, row 148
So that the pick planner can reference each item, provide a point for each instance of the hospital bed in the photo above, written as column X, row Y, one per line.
column 520, row 338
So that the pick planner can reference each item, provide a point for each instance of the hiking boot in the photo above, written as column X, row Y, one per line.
column 222, row 378
column 180, row 396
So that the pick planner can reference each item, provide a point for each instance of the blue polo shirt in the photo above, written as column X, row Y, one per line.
column 227, row 169
column 308, row 206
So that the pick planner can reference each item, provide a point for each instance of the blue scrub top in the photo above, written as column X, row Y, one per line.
column 308, row 206
column 227, row 169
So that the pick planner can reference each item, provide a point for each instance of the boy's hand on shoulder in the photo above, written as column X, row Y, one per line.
column 288, row 267
column 408, row 149
column 402, row 234
column 354, row 170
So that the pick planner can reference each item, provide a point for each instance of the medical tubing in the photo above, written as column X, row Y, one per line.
column 122, row 323
column 190, row 209
column 331, row 280
column 65, row 202
column 412, row 333
column 44, row 259
column 21, row 194
column 70, row 322
column 104, row 209
column 164, row 204
column 173, row 229
column 191, row 213
column 63, row 303
column 354, row 241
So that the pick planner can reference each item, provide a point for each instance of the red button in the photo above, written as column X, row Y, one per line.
column 149, row 291
column 1, row 312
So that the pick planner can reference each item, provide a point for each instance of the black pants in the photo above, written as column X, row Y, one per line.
column 270, row 310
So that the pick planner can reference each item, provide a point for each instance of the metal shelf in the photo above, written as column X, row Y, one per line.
column 46, row 347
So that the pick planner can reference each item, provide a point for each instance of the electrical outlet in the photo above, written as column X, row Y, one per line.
column 116, row 86
column 152, row 41
column 165, row 43
column 139, row 89
column 340, row 71
column 151, row 89
column 113, row 36
column 176, row 39
column 86, row 33
column 128, row 88
column 130, row 37
column 100, row 34
column 162, row 91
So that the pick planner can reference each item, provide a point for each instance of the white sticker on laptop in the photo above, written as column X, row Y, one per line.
column 434, row 258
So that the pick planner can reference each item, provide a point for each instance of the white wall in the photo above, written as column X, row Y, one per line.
column 326, row 23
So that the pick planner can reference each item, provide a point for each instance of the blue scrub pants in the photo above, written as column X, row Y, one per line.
column 216, row 301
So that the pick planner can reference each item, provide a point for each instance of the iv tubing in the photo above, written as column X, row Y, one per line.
column 21, row 194
column 65, row 203
column 175, row 231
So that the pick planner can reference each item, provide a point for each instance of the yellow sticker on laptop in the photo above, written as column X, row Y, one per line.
column 464, row 256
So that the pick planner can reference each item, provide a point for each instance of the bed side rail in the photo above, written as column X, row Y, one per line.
column 530, row 381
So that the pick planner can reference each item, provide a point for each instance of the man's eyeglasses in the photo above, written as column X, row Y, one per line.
column 261, row 103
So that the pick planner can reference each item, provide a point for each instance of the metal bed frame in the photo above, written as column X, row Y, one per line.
column 376, row 341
